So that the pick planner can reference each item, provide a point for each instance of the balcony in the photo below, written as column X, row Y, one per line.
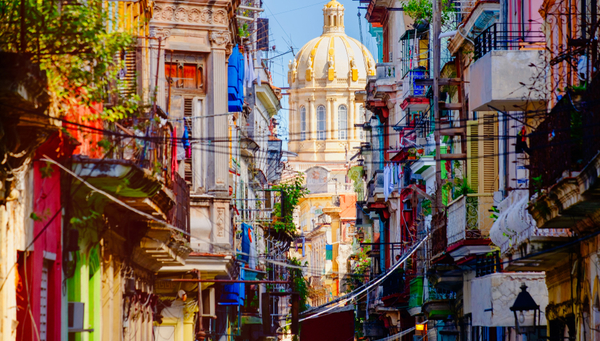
column 438, row 303
column 565, row 186
column 381, row 85
column 468, row 226
column 516, row 233
column 416, row 296
column 503, row 65
column 168, row 200
column 395, row 289
column 413, row 95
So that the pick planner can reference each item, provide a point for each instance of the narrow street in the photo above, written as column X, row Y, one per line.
column 319, row 170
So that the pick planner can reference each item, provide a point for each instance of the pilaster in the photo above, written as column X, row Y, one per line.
column 218, row 126
column 351, row 118
column 312, row 119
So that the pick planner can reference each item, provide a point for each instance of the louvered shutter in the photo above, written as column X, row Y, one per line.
column 44, row 302
column 488, row 144
column 128, row 74
column 473, row 155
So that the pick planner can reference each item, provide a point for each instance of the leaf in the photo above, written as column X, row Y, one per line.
column 35, row 217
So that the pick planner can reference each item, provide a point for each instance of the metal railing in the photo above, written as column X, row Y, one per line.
column 463, row 219
column 515, row 36
column 409, row 88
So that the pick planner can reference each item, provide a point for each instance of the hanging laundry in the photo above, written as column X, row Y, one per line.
column 174, row 163
column 247, row 79
column 186, row 142
column 251, row 75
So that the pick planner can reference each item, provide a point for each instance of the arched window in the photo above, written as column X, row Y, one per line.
column 302, row 123
column 360, row 119
column 342, row 122
column 321, row 122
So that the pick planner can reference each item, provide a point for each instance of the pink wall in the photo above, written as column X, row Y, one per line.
column 46, row 203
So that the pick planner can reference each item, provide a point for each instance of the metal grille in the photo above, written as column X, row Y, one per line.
column 44, row 302
column 188, row 107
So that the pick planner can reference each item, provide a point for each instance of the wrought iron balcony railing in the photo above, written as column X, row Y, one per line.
column 409, row 88
column 516, row 36
column 463, row 219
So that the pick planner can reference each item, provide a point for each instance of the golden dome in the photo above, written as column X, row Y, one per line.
column 333, row 3
column 333, row 55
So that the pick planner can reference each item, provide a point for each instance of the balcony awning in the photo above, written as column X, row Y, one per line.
column 512, row 223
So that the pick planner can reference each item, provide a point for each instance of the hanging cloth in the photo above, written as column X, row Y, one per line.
column 174, row 163
column 247, row 80
column 386, row 182
column 252, row 75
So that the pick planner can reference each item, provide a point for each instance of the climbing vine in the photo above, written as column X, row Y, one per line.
column 291, row 193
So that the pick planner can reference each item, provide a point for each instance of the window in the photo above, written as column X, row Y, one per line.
column 302, row 123
column 342, row 122
column 184, row 75
column 321, row 122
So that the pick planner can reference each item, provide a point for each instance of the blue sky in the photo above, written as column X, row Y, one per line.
column 294, row 23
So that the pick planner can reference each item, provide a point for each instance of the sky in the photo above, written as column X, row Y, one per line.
column 294, row 23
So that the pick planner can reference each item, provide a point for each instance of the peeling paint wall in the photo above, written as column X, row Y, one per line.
column 493, row 295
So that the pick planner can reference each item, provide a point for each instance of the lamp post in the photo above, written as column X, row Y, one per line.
column 525, row 303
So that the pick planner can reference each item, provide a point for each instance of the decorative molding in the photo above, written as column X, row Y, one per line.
column 219, row 38
column 191, row 15
column 160, row 33
column 220, row 222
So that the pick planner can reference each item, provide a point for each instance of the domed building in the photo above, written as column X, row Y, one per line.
column 323, row 78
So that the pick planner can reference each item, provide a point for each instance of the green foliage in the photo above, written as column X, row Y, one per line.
column 457, row 187
column 299, row 283
column 292, row 191
column 361, row 267
column 47, row 170
column 35, row 217
column 537, row 183
column 72, row 43
column 426, row 206
column 422, row 11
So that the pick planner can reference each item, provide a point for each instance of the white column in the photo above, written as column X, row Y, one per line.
column 330, row 116
column 218, row 126
column 351, row 119
column 312, row 120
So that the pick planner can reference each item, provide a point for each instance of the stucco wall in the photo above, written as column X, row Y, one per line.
column 493, row 295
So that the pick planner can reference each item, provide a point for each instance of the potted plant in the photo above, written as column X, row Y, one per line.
column 412, row 153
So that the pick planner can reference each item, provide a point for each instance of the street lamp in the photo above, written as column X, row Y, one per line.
column 525, row 303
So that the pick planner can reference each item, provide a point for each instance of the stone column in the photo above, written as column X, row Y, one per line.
column 218, row 126
column 334, row 213
column 312, row 120
column 330, row 116
column 351, row 118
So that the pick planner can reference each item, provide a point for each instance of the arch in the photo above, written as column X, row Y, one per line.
column 321, row 123
column 342, row 122
column 335, row 20
column 302, row 123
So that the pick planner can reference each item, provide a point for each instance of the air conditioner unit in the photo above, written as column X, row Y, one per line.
column 208, row 303
column 421, row 141
column 76, row 310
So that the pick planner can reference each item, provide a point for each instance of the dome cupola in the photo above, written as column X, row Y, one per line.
column 333, row 57
column 333, row 17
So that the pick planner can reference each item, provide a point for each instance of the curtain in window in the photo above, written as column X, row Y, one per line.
column 321, row 122
column 342, row 122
